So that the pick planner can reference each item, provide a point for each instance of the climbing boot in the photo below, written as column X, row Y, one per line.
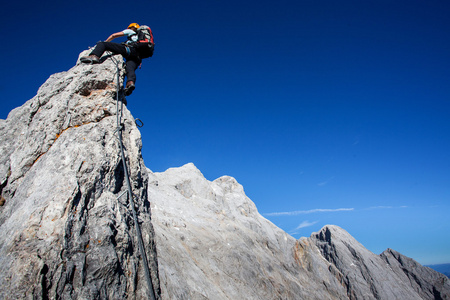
column 91, row 59
column 129, row 88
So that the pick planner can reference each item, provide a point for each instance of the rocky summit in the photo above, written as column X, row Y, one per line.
column 67, row 228
column 66, row 231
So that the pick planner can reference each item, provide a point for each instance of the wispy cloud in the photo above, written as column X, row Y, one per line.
column 380, row 207
column 385, row 207
column 304, row 212
column 325, row 182
column 326, row 210
column 305, row 224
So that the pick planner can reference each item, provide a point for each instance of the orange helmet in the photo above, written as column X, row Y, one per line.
column 135, row 25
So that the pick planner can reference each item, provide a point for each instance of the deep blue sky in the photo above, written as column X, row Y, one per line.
column 327, row 112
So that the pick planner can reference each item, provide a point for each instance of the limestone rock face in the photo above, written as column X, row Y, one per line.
column 64, row 234
column 428, row 283
column 213, row 244
column 67, row 231
column 369, row 276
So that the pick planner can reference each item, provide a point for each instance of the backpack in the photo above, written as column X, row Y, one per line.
column 145, row 44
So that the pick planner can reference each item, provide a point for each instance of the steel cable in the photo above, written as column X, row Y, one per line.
column 119, row 107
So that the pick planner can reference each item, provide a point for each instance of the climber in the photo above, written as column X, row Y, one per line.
column 138, row 46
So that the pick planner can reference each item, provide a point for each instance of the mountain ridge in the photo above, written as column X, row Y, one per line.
column 330, row 264
column 441, row 268
column 67, row 231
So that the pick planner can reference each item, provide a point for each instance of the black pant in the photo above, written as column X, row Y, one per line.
column 132, row 59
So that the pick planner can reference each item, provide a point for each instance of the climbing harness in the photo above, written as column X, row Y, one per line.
column 128, row 50
column 119, row 107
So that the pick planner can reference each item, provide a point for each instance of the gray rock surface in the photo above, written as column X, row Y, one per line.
column 67, row 232
column 213, row 244
column 64, row 233
column 427, row 282
column 369, row 276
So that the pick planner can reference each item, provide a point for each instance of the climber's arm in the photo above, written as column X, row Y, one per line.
column 115, row 35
